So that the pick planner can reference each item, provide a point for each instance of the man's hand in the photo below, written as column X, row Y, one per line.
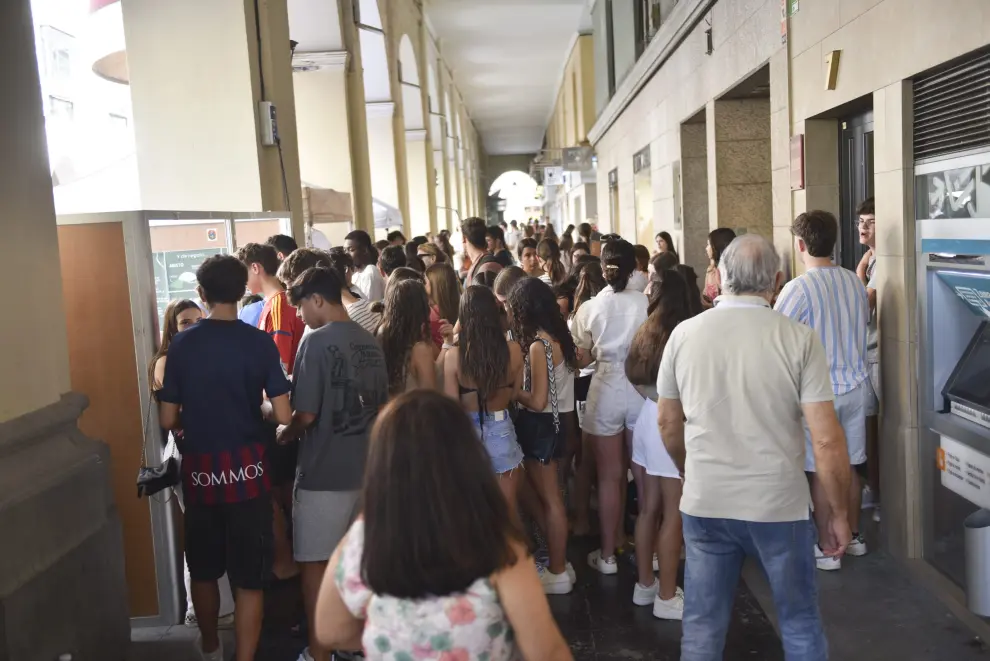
column 285, row 435
column 839, row 536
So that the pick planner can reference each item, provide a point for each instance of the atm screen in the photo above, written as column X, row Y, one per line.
column 970, row 381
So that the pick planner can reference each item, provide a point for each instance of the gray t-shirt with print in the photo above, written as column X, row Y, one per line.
column 340, row 377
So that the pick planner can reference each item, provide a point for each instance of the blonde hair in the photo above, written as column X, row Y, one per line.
column 445, row 290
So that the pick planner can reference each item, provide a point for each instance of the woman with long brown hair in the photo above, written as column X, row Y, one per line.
column 718, row 240
column 405, row 337
column 553, row 269
column 444, row 290
column 658, row 482
column 435, row 567
column 484, row 373
column 547, row 395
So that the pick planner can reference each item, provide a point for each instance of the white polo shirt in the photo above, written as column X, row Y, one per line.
column 742, row 371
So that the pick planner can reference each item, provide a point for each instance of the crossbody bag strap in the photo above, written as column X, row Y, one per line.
column 552, row 378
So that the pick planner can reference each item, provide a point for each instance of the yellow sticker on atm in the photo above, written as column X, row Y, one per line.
column 940, row 459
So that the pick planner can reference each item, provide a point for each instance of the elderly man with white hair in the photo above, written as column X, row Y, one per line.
column 734, row 385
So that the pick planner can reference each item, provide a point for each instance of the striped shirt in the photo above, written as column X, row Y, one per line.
column 832, row 301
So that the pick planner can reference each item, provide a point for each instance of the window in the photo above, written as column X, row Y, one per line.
column 613, row 199
column 643, row 192
column 60, row 63
column 118, row 122
column 57, row 52
column 59, row 108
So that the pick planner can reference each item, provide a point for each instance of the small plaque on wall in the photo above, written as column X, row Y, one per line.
column 797, row 162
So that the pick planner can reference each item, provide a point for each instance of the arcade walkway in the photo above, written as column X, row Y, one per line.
column 872, row 612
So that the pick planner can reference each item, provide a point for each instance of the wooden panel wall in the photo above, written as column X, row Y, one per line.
column 102, row 365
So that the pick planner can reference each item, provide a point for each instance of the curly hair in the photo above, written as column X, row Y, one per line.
column 484, row 353
column 405, row 322
column 672, row 306
column 534, row 309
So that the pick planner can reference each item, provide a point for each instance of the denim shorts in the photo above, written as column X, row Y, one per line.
column 499, row 437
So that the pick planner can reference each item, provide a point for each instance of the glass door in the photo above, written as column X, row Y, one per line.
column 856, row 181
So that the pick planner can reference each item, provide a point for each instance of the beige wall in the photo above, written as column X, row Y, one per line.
column 195, row 111
column 747, row 36
column 574, row 109
column 321, row 117
column 33, row 350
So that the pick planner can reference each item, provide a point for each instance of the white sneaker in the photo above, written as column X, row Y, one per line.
column 826, row 563
column 215, row 655
column 305, row 655
column 644, row 596
column 857, row 547
column 224, row 623
column 876, row 514
column 867, row 499
column 571, row 574
column 556, row 583
column 670, row 609
column 656, row 562
column 604, row 565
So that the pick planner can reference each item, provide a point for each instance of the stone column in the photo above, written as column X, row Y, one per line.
column 196, row 71
column 62, row 586
column 897, row 296
column 420, row 182
column 694, row 194
column 739, row 173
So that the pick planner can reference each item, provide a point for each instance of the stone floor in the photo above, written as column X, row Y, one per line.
column 872, row 610
column 598, row 619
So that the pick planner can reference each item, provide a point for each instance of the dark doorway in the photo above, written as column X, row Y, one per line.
column 856, row 181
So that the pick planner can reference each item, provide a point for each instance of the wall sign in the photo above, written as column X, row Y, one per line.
column 211, row 234
column 964, row 471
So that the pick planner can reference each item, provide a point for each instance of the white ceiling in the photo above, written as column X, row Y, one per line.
column 507, row 57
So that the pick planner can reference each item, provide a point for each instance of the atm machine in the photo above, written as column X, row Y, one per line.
column 953, row 270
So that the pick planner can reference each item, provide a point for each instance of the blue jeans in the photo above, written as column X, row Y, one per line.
column 716, row 549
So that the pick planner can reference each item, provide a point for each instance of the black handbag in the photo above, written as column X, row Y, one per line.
column 151, row 480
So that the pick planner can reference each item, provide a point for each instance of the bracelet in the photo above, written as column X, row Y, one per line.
column 447, row 346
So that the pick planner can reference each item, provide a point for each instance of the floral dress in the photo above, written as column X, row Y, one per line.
column 470, row 626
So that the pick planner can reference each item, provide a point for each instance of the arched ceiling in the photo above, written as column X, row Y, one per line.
column 507, row 57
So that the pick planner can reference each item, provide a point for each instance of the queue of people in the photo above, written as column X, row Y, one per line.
column 417, row 435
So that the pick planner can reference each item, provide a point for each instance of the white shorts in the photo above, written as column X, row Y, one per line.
column 648, row 448
column 873, row 403
column 850, row 408
column 320, row 519
column 613, row 404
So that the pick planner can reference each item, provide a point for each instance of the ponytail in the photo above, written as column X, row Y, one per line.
column 549, row 251
column 618, row 263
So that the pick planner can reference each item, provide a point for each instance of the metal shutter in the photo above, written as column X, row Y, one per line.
column 952, row 108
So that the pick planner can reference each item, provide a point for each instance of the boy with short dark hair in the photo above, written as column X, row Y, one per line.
column 217, row 375
column 392, row 257
column 340, row 384
column 284, row 245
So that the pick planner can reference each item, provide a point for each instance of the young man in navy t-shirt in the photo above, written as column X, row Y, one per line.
column 215, row 385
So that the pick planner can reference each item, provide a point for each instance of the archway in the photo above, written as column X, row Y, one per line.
column 415, row 127
column 379, row 108
column 438, row 137
column 518, row 191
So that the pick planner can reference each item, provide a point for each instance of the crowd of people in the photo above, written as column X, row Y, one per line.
column 417, row 430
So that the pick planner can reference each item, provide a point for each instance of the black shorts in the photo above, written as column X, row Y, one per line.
column 281, row 458
column 537, row 436
column 231, row 538
column 581, row 386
